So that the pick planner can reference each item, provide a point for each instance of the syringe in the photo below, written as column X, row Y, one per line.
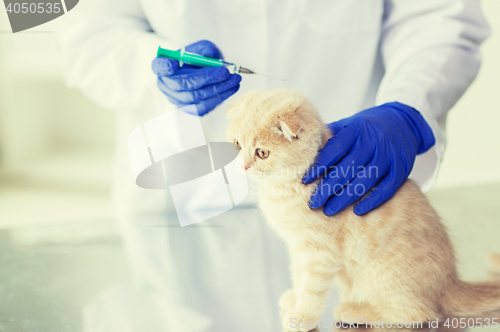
column 202, row 61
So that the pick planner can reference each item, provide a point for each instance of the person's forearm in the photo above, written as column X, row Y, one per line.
column 430, row 52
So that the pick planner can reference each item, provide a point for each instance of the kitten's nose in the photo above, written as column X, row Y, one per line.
column 246, row 166
column 246, row 163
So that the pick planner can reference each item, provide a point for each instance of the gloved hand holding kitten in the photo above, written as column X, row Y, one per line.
column 383, row 140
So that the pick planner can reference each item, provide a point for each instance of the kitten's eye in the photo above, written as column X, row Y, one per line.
column 237, row 145
column 263, row 154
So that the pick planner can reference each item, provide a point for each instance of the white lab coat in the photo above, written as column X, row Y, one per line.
column 345, row 55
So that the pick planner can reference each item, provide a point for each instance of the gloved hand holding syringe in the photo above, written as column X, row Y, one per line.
column 197, row 75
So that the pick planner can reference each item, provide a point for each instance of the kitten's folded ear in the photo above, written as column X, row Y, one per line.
column 288, row 126
column 232, row 107
column 230, row 110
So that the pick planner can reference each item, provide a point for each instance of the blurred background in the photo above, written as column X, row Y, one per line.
column 56, row 148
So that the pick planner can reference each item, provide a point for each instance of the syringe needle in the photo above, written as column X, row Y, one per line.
column 243, row 70
column 274, row 78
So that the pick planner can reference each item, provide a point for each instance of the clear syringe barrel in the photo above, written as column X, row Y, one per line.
column 196, row 60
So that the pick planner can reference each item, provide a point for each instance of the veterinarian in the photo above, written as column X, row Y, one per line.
column 350, row 57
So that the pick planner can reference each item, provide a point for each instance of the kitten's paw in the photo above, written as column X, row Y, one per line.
column 293, row 320
column 287, row 300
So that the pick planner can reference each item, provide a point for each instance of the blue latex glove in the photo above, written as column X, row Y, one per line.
column 204, row 87
column 375, row 148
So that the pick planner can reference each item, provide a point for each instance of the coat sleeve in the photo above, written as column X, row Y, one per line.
column 107, row 48
column 430, row 51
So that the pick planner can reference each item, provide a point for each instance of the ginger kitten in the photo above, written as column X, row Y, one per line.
column 394, row 263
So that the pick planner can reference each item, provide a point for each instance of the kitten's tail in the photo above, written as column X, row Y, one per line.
column 477, row 300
